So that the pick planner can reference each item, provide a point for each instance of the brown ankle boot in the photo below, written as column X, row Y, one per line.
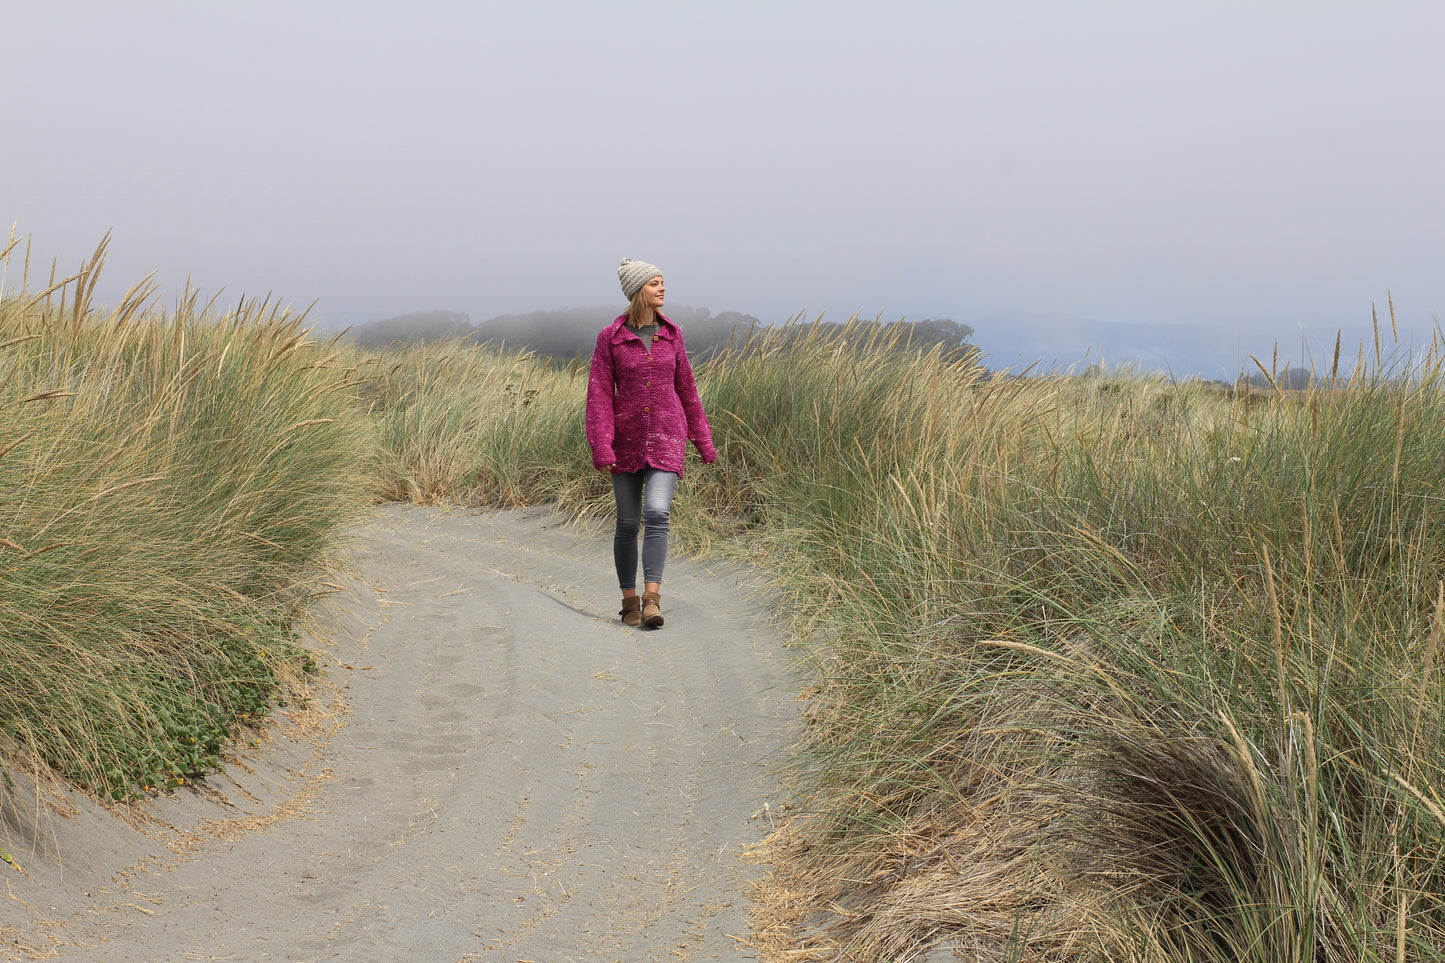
column 631, row 610
column 652, row 609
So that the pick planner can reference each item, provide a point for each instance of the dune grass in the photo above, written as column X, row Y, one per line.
column 1097, row 667
column 1110, row 667
column 458, row 424
column 171, row 481
column 1100, row 668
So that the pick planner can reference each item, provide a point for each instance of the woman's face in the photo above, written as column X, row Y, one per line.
column 653, row 292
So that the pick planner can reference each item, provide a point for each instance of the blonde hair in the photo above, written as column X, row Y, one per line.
column 638, row 308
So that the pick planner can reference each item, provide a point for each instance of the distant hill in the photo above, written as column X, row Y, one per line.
column 417, row 326
column 564, row 334
column 559, row 333
column 572, row 332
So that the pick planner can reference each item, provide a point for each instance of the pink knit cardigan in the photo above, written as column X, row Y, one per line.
column 642, row 402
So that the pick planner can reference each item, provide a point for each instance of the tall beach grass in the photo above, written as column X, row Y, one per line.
column 170, row 481
column 460, row 424
column 1101, row 668
column 1108, row 667
column 1096, row 667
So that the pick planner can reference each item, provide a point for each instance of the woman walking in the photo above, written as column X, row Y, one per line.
column 642, row 410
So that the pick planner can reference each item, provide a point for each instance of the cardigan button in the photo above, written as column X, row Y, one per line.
column 646, row 409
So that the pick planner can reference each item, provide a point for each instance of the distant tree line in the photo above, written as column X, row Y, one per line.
column 1290, row 379
column 417, row 326
column 572, row 333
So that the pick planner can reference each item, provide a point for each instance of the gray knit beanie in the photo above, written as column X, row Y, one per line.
column 634, row 274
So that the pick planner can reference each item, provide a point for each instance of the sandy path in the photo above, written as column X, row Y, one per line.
column 519, row 777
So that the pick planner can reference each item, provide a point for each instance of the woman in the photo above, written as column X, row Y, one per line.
column 642, row 410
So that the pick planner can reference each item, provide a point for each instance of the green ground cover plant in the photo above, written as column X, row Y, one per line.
column 1096, row 668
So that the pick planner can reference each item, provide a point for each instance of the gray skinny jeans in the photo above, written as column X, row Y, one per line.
column 643, row 497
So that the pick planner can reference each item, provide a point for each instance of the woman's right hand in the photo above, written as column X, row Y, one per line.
column 607, row 469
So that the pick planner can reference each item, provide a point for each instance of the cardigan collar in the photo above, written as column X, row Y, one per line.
column 618, row 331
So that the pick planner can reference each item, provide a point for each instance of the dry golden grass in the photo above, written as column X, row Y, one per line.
column 1101, row 668
column 171, row 481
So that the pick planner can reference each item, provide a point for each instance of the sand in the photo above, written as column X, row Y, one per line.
column 499, row 771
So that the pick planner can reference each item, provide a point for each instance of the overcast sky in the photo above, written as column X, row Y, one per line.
column 1038, row 170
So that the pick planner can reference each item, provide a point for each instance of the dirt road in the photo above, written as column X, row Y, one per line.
column 508, row 774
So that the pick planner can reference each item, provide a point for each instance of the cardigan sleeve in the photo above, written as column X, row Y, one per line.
column 699, row 432
column 601, row 418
